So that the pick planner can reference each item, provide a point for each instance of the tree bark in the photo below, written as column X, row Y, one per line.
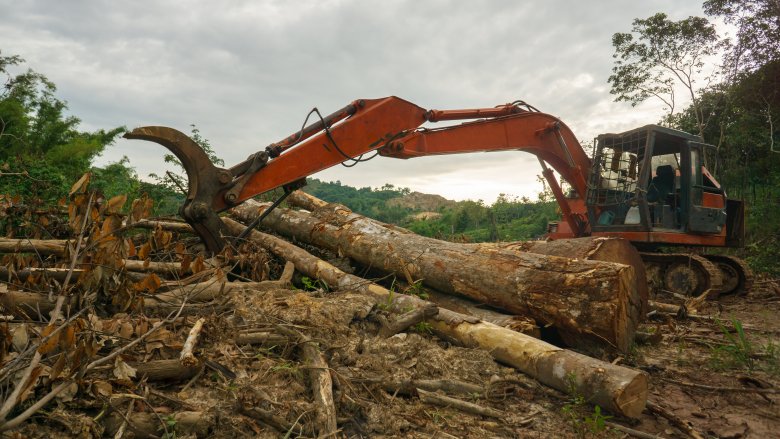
column 43, row 247
column 164, row 370
column 58, row 274
column 593, row 249
column 320, row 382
column 465, row 406
column 590, row 303
column 468, row 307
column 150, row 424
column 616, row 388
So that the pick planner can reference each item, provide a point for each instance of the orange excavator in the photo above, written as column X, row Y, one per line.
column 648, row 185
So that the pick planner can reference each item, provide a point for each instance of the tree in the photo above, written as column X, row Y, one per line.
column 758, row 31
column 38, row 140
column 659, row 55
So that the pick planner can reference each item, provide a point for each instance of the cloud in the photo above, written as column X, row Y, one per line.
column 246, row 73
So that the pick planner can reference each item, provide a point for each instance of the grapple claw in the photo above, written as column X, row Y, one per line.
column 204, row 182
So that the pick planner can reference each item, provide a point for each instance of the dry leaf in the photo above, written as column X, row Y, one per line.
column 186, row 260
column 50, row 344
column 141, row 209
column 102, row 388
column 198, row 265
column 143, row 252
column 80, row 185
column 31, row 383
column 122, row 370
column 58, row 367
column 69, row 393
column 130, row 248
column 67, row 337
column 20, row 338
column 126, row 330
column 149, row 284
column 115, row 204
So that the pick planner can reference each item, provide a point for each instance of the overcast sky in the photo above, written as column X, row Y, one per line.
column 246, row 73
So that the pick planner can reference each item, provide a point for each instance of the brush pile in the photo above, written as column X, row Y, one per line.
column 115, row 324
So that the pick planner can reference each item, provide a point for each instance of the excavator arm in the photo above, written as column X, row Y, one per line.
column 390, row 125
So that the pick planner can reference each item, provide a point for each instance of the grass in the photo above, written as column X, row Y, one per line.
column 739, row 352
column 583, row 421
column 423, row 328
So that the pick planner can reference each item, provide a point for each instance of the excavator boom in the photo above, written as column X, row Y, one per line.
column 614, row 194
column 389, row 125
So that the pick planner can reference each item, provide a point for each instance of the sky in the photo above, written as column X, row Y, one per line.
column 246, row 73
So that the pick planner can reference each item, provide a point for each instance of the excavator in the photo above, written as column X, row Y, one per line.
column 648, row 185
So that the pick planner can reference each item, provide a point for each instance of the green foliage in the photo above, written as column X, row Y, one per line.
column 660, row 54
column 310, row 284
column 576, row 412
column 417, row 289
column 734, row 101
column 365, row 201
column 509, row 218
column 41, row 149
column 424, row 328
column 738, row 352
column 170, row 427
column 596, row 421
column 757, row 40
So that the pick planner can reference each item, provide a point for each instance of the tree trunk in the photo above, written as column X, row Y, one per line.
column 43, row 247
column 593, row 249
column 468, row 307
column 590, row 303
column 616, row 388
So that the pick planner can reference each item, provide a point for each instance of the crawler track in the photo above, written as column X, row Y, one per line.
column 682, row 273
column 737, row 276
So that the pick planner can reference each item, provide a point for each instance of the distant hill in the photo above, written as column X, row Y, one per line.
column 418, row 201
column 508, row 219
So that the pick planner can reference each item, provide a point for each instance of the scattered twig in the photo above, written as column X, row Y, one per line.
column 631, row 431
column 187, row 356
column 464, row 406
column 121, row 431
column 723, row 388
column 321, row 381
column 673, row 419
column 13, row 398
column 409, row 319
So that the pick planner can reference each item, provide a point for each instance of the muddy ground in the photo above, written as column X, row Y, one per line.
column 702, row 372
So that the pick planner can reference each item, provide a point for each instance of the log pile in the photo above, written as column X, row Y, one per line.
column 124, row 315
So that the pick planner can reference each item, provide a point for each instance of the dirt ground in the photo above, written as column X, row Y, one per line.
column 696, row 370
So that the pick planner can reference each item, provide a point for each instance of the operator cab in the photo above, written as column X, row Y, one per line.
column 653, row 179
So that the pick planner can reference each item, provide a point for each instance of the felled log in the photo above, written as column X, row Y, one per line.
column 590, row 303
column 464, row 406
column 594, row 249
column 616, row 388
column 170, row 226
column 43, row 247
column 406, row 320
column 187, row 356
column 470, row 308
column 320, row 382
column 26, row 304
column 150, row 424
column 58, row 274
column 210, row 290
column 266, row 338
column 409, row 387
column 164, row 370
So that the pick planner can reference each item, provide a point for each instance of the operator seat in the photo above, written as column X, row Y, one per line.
column 661, row 185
